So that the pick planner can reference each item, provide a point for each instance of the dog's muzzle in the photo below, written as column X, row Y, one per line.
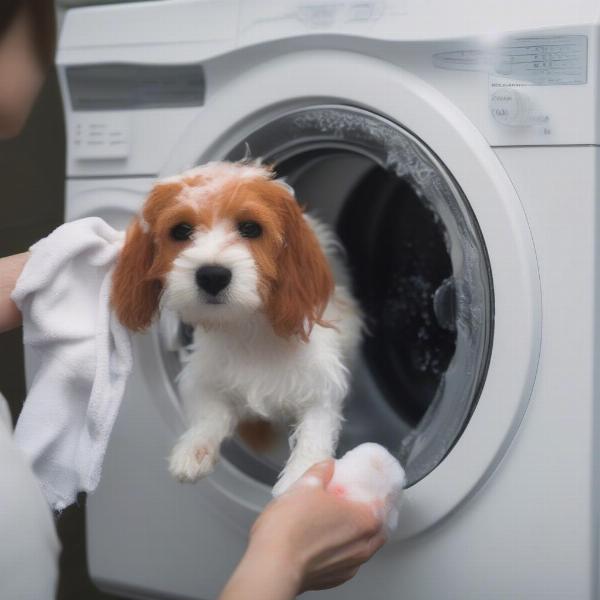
column 212, row 279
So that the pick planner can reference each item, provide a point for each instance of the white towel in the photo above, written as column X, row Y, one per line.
column 82, row 353
column 370, row 474
column 5, row 419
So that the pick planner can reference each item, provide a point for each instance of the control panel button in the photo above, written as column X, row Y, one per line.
column 100, row 138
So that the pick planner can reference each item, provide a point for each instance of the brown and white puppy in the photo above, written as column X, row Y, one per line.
column 227, row 247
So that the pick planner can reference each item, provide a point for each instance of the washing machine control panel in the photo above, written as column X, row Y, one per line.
column 98, row 137
column 529, row 82
column 531, row 60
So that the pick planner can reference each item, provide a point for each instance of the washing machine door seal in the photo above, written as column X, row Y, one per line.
column 295, row 82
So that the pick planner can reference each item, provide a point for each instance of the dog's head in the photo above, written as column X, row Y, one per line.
column 218, row 244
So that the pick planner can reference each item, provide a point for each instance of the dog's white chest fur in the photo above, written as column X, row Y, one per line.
column 264, row 375
column 250, row 371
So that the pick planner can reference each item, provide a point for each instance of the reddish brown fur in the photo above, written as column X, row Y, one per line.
column 299, row 293
column 137, row 280
column 134, row 296
column 295, row 279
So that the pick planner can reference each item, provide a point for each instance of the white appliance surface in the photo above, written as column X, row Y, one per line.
column 485, row 116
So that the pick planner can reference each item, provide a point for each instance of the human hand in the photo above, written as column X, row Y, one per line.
column 308, row 539
column 326, row 538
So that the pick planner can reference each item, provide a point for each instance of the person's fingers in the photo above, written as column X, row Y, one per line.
column 376, row 542
column 319, row 475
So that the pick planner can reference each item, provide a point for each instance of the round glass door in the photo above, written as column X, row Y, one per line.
column 418, row 267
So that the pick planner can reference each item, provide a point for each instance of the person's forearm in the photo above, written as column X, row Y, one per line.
column 263, row 574
column 10, row 269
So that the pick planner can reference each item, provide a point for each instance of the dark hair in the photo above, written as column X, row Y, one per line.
column 43, row 20
column 8, row 10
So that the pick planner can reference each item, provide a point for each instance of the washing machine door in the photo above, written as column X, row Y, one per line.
column 440, row 255
column 419, row 268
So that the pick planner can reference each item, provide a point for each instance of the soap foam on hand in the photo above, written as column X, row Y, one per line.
column 370, row 474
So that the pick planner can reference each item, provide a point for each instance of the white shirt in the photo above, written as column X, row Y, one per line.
column 29, row 547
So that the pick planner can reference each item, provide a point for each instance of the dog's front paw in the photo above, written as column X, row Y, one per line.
column 190, row 461
column 292, row 472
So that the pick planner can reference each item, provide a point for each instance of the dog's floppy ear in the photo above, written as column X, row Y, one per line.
column 304, row 281
column 136, row 288
column 134, row 294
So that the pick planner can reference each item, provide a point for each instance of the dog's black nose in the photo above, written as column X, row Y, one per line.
column 213, row 278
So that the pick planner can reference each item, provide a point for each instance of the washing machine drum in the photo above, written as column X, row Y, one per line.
column 418, row 267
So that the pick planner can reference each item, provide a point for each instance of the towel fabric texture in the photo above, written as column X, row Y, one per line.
column 81, row 357
column 370, row 474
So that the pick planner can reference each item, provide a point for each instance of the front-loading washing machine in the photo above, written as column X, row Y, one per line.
column 453, row 146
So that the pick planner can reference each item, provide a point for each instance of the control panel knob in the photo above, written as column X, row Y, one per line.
column 511, row 107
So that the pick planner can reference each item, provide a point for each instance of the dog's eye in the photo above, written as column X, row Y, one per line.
column 249, row 229
column 182, row 232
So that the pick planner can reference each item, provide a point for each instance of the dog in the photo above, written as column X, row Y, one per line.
column 227, row 247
